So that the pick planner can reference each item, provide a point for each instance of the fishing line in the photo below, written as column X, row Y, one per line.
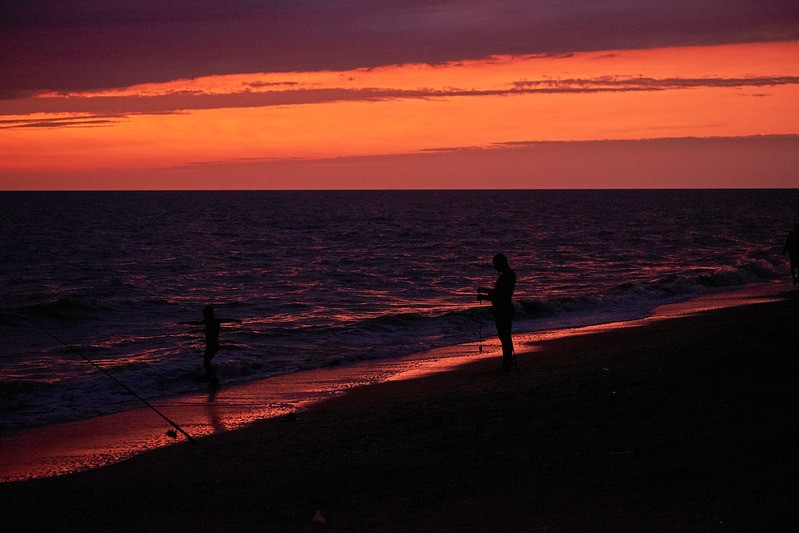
column 480, row 321
column 104, row 371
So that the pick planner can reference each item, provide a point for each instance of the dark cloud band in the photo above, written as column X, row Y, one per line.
column 71, row 45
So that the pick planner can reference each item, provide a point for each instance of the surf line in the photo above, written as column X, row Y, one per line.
column 169, row 433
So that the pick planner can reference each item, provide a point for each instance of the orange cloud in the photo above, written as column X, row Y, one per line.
column 726, row 91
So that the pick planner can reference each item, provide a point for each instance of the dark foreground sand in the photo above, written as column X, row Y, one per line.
column 680, row 425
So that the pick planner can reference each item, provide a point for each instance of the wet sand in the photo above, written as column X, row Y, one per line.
column 677, row 424
column 65, row 448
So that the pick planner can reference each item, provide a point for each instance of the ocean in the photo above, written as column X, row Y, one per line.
column 322, row 278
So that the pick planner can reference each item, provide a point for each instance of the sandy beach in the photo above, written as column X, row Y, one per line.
column 681, row 424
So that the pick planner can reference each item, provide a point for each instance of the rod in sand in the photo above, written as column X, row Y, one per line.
column 104, row 371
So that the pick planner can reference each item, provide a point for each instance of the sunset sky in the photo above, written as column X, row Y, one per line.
column 399, row 94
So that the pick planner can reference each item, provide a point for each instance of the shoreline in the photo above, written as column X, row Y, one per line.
column 74, row 446
column 676, row 424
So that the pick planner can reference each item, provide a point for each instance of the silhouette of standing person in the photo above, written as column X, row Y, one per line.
column 501, row 297
column 792, row 249
column 212, row 327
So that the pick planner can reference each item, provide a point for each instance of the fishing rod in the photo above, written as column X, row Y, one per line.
column 170, row 433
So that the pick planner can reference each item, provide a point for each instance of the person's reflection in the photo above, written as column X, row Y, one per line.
column 212, row 409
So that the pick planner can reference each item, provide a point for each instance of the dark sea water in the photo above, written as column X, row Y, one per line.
column 323, row 278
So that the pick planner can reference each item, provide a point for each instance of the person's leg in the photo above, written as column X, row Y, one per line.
column 504, row 331
column 210, row 371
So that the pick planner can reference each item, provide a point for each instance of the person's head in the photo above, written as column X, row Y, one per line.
column 501, row 263
column 208, row 312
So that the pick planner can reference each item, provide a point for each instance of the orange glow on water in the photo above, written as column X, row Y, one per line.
column 74, row 446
